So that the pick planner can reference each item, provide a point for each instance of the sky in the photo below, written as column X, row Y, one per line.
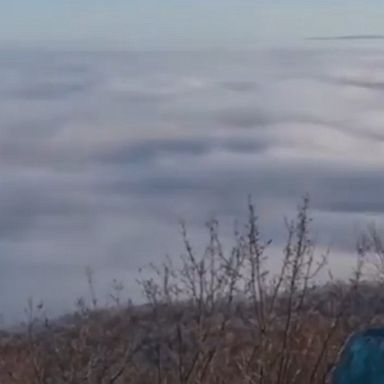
column 182, row 24
column 117, row 120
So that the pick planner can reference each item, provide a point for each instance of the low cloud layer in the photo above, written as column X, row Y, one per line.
column 102, row 153
column 349, row 37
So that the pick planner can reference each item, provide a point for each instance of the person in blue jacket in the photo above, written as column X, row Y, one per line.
column 362, row 359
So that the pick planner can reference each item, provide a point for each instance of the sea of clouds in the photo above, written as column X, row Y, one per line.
column 101, row 155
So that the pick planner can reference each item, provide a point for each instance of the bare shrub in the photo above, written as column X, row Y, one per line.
column 217, row 317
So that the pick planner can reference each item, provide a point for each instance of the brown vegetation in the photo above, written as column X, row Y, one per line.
column 219, row 317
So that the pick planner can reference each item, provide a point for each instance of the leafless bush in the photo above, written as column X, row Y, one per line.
column 217, row 317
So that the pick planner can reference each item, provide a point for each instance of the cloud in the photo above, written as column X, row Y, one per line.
column 102, row 154
column 348, row 37
column 48, row 91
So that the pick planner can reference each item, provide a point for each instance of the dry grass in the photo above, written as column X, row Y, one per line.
column 219, row 317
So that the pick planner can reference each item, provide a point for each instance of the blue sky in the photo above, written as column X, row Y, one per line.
column 156, row 24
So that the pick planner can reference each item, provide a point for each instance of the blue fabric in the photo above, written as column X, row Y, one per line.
column 362, row 359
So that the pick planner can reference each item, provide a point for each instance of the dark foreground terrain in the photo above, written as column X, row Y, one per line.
column 220, row 317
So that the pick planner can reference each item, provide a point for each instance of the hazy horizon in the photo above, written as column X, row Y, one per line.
column 175, row 24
